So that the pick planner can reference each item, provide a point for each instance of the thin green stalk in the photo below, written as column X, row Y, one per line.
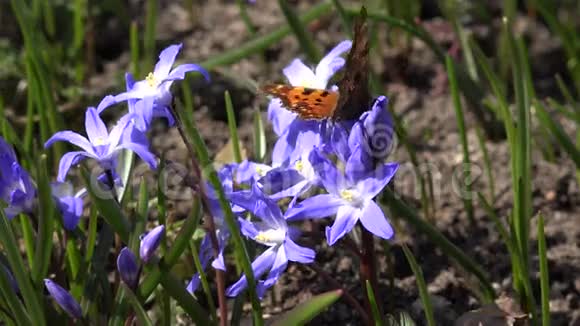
column 28, row 235
column 12, row 301
column 245, row 17
column 150, row 25
column 203, row 278
column 544, row 274
column 259, row 44
column 466, row 194
column 373, row 303
column 423, row 293
column 30, row 296
column 306, row 42
column 401, row 209
column 45, row 215
column 134, row 48
column 259, row 140
column 233, row 128
column 487, row 164
column 209, row 174
column 142, row 316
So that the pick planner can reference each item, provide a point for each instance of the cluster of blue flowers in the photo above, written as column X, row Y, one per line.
column 325, row 168
column 345, row 159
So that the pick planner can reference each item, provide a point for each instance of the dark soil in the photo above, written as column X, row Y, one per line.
column 416, row 84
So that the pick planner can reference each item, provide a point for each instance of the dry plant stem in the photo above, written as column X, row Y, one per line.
column 368, row 269
column 210, row 224
column 345, row 293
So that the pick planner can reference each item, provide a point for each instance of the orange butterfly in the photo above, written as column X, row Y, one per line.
column 353, row 96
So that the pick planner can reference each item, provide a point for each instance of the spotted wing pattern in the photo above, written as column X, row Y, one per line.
column 308, row 103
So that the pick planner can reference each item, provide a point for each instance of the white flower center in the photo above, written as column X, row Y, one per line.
column 260, row 171
column 151, row 81
column 100, row 141
column 351, row 196
column 271, row 237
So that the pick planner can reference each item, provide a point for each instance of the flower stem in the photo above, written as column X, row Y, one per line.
column 368, row 269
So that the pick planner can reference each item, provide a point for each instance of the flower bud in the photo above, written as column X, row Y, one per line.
column 150, row 242
column 128, row 268
column 64, row 299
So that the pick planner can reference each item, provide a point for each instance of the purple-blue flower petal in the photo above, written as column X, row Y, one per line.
column 166, row 60
column 150, row 242
column 278, row 267
column 143, row 152
column 297, row 253
column 95, row 127
column 332, row 62
column 373, row 219
column 376, row 181
column 178, row 73
column 259, row 266
column 346, row 218
column 314, row 207
column 66, row 161
column 299, row 74
column 73, row 138
column 64, row 299
column 326, row 171
column 128, row 268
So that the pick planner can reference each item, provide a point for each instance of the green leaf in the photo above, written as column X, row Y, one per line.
column 423, row 293
column 557, row 131
column 373, row 303
column 306, row 42
column 401, row 209
column 107, row 206
column 233, row 128
column 137, row 307
column 30, row 296
column 544, row 274
column 304, row 312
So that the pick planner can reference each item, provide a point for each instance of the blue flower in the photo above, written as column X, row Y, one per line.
column 156, row 86
column 375, row 132
column 128, row 267
column 101, row 145
column 350, row 196
column 299, row 74
column 69, row 204
column 273, row 232
column 64, row 299
column 297, row 134
column 16, row 187
column 150, row 242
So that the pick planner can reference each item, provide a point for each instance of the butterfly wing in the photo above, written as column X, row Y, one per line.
column 354, row 86
column 308, row 103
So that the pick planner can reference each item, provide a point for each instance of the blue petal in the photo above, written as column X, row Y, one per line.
column 194, row 283
column 374, row 221
column 314, row 207
column 95, row 127
column 297, row 253
column 66, row 161
column 332, row 62
column 248, row 228
column 280, row 179
column 106, row 102
column 73, row 138
column 278, row 267
column 328, row 174
column 64, row 299
column 346, row 218
column 339, row 141
column 372, row 185
column 71, row 209
column 143, row 152
column 150, row 242
column 259, row 266
column 128, row 268
column 178, row 73
column 359, row 166
column 279, row 116
column 166, row 60
column 299, row 74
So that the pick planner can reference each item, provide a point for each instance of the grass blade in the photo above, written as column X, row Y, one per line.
column 305, row 311
column 306, row 42
column 401, row 209
column 233, row 128
column 423, row 293
column 558, row 132
column 466, row 193
column 544, row 275
column 137, row 307
column 373, row 303
column 30, row 296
